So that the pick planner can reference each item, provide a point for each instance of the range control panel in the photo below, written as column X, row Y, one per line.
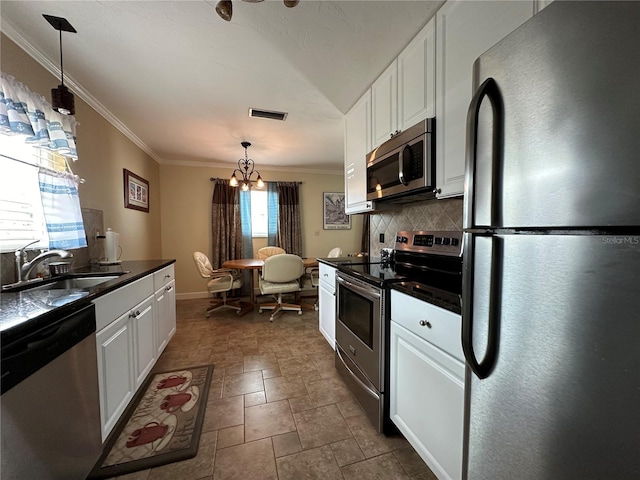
column 434, row 242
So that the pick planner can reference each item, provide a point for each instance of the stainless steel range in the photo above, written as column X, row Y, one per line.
column 427, row 265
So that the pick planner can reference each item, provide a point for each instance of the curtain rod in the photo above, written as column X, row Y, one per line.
column 45, row 168
column 212, row 179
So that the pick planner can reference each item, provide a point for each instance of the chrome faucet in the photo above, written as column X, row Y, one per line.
column 24, row 268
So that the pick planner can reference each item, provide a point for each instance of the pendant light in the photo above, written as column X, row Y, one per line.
column 246, row 170
column 61, row 98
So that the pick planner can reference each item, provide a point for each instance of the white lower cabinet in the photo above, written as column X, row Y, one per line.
column 327, row 303
column 145, row 338
column 165, row 310
column 427, row 383
column 116, row 370
column 134, row 325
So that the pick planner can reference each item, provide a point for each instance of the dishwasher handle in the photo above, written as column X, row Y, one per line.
column 29, row 353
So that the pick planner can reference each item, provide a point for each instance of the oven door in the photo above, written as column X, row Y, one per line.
column 359, row 325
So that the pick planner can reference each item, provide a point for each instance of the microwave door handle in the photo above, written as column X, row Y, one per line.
column 401, row 163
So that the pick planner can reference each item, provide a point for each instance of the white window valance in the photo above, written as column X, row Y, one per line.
column 23, row 112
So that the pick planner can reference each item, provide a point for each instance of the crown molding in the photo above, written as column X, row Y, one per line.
column 8, row 29
column 263, row 167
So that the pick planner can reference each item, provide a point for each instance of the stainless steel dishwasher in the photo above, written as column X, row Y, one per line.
column 50, row 403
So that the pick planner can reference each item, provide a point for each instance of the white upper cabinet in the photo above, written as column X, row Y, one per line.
column 404, row 93
column 464, row 31
column 416, row 78
column 356, row 146
column 384, row 105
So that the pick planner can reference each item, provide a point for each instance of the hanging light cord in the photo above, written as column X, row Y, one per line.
column 61, row 67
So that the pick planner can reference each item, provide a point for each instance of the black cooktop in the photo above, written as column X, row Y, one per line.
column 374, row 273
column 428, row 270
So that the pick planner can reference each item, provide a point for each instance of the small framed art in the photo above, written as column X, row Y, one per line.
column 333, row 216
column 136, row 192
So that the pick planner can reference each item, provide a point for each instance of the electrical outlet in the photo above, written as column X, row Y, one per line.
column 382, row 238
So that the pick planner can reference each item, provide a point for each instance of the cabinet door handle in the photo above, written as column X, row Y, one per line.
column 169, row 288
column 425, row 323
column 134, row 314
column 167, row 276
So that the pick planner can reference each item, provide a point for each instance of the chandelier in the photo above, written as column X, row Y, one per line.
column 246, row 169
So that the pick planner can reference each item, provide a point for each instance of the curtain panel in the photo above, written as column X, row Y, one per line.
column 289, row 230
column 272, row 214
column 23, row 112
column 61, row 208
column 226, row 226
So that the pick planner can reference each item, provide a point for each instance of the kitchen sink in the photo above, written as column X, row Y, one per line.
column 81, row 282
column 68, row 282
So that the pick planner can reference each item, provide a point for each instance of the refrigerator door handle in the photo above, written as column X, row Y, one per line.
column 489, row 89
column 482, row 368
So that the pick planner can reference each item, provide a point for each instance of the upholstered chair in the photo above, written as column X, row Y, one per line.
column 266, row 252
column 280, row 275
column 220, row 281
column 311, row 277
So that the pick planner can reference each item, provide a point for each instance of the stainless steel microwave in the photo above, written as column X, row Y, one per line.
column 403, row 165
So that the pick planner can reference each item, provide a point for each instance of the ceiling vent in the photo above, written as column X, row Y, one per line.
column 273, row 115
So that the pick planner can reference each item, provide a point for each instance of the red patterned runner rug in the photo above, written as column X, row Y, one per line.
column 161, row 425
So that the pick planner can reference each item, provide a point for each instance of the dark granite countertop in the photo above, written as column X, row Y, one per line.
column 440, row 298
column 334, row 262
column 24, row 310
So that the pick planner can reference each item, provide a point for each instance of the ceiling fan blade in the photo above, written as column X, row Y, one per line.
column 291, row 3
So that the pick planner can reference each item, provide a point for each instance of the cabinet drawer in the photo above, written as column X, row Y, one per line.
column 328, row 277
column 433, row 324
column 163, row 277
column 114, row 304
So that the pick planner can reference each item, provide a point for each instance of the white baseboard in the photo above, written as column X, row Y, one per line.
column 192, row 295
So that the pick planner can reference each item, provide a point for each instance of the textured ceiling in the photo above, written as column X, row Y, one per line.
column 179, row 80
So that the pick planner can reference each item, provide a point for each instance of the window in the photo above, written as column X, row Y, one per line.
column 259, row 217
column 22, row 218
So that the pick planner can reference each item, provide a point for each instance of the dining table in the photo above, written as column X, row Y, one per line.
column 256, row 264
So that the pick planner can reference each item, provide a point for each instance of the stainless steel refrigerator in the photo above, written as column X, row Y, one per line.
column 551, row 315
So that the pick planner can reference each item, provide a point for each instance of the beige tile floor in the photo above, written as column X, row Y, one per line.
column 276, row 407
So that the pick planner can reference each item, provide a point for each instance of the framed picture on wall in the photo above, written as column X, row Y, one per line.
column 136, row 192
column 333, row 214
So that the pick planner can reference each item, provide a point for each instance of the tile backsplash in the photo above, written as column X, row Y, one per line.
column 443, row 214
column 93, row 223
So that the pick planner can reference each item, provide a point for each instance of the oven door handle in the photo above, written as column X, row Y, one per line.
column 355, row 377
column 364, row 291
